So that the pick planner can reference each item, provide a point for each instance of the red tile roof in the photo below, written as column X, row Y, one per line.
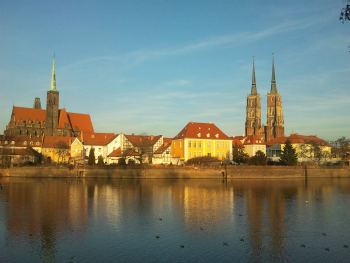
column 198, row 130
column 142, row 140
column 164, row 147
column 116, row 153
column 237, row 140
column 80, row 122
column 253, row 139
column 26, row 114
column 295, row 138
column 76, row 121
column 127, row 153
column 58, row 142
column 98, row 138
column 63, row 121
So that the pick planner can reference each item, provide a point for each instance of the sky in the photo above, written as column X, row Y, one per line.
column 149, row 67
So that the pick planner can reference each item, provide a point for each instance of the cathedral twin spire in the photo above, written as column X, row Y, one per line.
column 275, row 121
column 253, row 91
column 273, row 79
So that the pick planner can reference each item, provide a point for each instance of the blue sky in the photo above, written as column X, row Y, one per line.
column 152, row 66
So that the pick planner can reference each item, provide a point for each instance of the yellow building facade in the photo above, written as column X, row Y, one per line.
column 62, row 149
column 201, row 139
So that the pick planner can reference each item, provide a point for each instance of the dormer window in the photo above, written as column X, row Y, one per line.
column 199, row 135
column 25, row 143
column 12, row 142
column 208, row 135
column 217, row 135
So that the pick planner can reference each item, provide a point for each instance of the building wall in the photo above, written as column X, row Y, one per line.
column 177, row 149
column 275, row 119
column 274, row 151
column 56, row 155
column 251, row 149
column 116, row 143
column 76, row 149
column 186, row 149
column 253, row 116
column 99, row 150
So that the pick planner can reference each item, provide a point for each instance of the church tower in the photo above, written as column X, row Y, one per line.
column 275, row 120
column 253, row 110
column 52, row 105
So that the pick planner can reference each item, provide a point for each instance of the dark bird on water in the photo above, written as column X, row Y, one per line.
column 160, row 219
column 242, row 240
column 182, row 246
column 346, row 246
column 303, row 245
column 324, row 234
column 201, row 228
column 225, row 244
column 157, row 237
column 327, row 249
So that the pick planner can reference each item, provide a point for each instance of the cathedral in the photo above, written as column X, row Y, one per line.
column 274, row 127
column 51, row 121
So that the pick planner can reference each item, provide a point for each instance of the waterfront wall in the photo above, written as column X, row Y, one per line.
column 241, row 172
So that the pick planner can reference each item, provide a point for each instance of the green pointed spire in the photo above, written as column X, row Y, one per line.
column 253, row 90
column 53, row 75
column 273, row 79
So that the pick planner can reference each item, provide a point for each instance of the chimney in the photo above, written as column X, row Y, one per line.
column 37, row 103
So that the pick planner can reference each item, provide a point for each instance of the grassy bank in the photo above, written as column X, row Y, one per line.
column 241, row 172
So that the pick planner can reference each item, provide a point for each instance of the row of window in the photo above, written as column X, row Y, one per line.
column 196, row 144
column 24, row 143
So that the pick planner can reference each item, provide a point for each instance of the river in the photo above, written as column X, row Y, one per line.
column 164, row 220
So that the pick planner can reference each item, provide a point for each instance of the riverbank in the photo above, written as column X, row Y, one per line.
column 232, row 172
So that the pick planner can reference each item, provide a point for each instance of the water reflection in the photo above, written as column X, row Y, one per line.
column 263, row 220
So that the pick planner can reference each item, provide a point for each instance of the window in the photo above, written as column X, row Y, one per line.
column 199, row 153
column 199, row 144
column 189, row 144
column 194, row 144
column 209, row 144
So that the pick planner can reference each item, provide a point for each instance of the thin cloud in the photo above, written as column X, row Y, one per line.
column 135, row 58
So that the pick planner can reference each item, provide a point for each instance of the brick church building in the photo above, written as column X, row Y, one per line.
column 274, row 127
column 51, row 121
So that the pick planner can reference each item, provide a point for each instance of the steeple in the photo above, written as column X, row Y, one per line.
column 273, row 79
column 53, row 76
column 253, row 90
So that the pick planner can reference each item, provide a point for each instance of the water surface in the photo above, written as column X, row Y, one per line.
column 162, row 220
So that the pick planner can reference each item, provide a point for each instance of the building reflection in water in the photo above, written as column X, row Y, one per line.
column 44, row 209
column 47, row 209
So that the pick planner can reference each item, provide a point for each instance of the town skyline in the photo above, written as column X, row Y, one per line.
column 159, row 85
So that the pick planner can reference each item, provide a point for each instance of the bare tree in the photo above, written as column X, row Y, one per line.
column 345, row 12
column 62, row 150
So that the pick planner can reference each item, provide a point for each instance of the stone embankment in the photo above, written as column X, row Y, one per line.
column 231, row 172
